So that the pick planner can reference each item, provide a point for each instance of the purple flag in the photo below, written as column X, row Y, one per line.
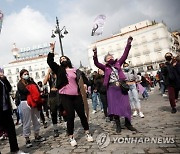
column 98, row 25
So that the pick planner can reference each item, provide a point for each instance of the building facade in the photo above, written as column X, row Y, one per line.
column 34, row 60
column 151, row 41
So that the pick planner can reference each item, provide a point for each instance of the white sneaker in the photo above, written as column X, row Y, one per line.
column 89, row 138
column 73, row 142
column 164, row 95
column 21, row 152
column 141, row 114
column 94, row 111
column 135, row 113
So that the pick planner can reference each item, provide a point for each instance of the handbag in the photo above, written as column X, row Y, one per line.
column 122, row 84
column 124, row 87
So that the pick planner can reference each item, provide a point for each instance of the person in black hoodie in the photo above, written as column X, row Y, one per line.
column 176, row 66
column 6, row 120
column 69, row 87
column 101, row 89
column 170, row 80
column 29, row 113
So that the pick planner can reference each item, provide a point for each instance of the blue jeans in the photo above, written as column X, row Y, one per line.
column 145, row 93
column 162, row 87
column 20, row 112
column 95, row 98
column 133, row 97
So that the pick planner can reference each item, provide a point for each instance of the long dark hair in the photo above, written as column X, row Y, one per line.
column 68, row 62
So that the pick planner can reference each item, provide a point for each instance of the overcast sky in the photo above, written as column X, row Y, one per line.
column 30, row 22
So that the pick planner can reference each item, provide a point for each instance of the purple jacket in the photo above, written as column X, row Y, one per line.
column 107, row 68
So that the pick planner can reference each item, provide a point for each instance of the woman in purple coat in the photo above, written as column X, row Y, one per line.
column 118, row 103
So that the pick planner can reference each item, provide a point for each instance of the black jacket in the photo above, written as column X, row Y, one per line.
column 61, row 73
column 17, row 98
column 168, row 72
column 99, row 84
column 7, row 90
column 58, row 70
column 23, row 92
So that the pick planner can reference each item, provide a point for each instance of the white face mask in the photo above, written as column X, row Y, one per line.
column 25, row 77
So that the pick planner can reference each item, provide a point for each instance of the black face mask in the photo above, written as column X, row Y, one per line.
column 111, row 62
column 65, row 64
column 168, row 58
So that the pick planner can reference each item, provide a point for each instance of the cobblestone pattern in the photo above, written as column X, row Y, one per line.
column 158, row 123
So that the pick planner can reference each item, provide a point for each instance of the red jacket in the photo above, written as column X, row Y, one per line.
column 33, row 98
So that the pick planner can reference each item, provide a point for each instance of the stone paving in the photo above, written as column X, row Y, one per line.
column 158, row 132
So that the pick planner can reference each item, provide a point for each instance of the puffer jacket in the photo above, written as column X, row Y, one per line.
column 33, row 98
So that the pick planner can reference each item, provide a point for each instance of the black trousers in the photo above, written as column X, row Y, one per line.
column 54, row 105
column 104, row 103
column 42, row 115
column 70, row 105
column 7, row 123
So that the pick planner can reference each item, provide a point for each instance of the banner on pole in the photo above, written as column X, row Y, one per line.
column 98, row 25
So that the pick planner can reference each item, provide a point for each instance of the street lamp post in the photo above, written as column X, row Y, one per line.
column 59, row 32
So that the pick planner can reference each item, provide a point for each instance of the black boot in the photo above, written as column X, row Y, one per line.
column 128, row 125
column 118, row 124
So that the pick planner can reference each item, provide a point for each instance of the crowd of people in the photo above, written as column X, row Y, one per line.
column 116, row 88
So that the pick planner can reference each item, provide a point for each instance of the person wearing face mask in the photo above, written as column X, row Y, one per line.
column 70, row 85
column 6, row 120
column 118, row 103
column 170, row 80
column 26, row 87
column 131, row 79
column 53, row 101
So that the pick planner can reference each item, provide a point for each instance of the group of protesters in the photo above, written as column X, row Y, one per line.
column 67, row 95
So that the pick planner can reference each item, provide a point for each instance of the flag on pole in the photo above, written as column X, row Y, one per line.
column 1, row 20
column 98, row 25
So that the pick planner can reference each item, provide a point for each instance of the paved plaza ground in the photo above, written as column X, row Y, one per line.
column 158, row 132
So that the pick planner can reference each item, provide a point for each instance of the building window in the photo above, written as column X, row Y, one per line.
column 9, row 72
column 138, row 60
column 43, row 74
column 17, row 70
column 150, row 68
column 157, row 46
column 17, row 78
column 144, row 39
column 140, row 69
column 10, row 80
column 145, row 50
column 136, row 52
column 155, row 36
column 118, row 46
column 37, row 75
column 30, row 68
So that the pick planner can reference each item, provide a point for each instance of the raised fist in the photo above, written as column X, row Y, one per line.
column 52, row 46
column 95, row 49
column 130, row 39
